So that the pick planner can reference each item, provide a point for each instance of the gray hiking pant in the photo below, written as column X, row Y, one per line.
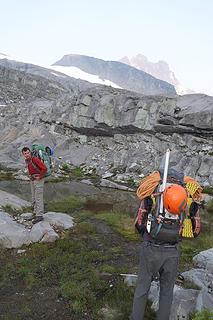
column 37, row 191
column 154, row 259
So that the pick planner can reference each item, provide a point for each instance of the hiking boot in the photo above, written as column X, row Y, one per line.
column 37, row 219
column 180, row 278
column 156, row 277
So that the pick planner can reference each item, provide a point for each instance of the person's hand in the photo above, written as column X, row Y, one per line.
column 37, row 178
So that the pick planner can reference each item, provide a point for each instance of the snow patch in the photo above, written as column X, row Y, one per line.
column 181, row 90
column 4, row 56
column 79, row 74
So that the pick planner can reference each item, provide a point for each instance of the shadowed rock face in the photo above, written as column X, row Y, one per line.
column 123, row 75
column 111, row 130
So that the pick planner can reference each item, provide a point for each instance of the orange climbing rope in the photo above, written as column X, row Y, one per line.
column 150, row 182
column 148, row 185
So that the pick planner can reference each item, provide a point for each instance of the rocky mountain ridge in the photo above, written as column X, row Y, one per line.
column 126, row 77
column 120, row 134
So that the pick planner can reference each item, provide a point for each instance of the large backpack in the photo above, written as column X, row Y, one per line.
column 187, row 225
column 165, row 227
column 44, row 154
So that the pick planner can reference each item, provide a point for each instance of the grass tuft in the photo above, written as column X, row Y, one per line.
column 122, row 223
column 66, row 205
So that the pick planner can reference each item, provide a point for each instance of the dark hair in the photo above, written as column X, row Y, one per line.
column 25, row 149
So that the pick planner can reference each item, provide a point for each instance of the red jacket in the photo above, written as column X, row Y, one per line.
column 36, row 167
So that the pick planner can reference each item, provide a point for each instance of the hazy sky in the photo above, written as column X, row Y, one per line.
column 177, row 31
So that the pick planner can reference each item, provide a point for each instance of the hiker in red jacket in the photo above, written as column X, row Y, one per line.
column 36, row 169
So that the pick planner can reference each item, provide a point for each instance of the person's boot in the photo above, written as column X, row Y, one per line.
column 180, row 278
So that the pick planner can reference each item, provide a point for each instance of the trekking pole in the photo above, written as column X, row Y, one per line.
column 163, row 185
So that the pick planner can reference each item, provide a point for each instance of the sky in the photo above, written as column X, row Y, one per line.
column 179, row 32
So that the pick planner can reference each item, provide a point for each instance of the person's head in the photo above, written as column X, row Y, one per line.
column 26, row 153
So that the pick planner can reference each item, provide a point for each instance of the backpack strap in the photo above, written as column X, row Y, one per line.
column 141, row 214
column 160, row 220
column 35, row 166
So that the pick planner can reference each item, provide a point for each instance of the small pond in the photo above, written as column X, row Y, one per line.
column 95, row 198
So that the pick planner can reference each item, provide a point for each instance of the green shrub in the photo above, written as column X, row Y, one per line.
column 208, row 190
column 6, row 173
column 205, row 314
column 209, row 206
column 65, row 167
column 13, row 211
column 73, row 172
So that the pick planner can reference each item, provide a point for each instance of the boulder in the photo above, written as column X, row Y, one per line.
column 184, row 300
column 42, row 231
column 59, row 220
column 12, row 234
column 204, row 260
column 18, row 230
column 12, row 200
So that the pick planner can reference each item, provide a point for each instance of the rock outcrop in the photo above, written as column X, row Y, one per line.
column 118, row 133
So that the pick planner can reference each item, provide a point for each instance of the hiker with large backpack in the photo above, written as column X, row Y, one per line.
column 160, row 221
column 38, row 169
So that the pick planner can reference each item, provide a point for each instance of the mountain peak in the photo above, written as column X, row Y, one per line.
column 159, row 70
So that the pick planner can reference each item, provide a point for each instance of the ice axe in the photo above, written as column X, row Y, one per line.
column 165, row 174
column 162, row 188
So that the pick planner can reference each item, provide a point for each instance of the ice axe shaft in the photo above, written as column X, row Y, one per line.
column 162, row 188
column 165, row 174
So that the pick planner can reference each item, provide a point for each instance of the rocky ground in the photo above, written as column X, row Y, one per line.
column 79, row 275
column 111, row 137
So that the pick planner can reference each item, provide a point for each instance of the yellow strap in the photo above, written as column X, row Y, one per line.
column 187, row 231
